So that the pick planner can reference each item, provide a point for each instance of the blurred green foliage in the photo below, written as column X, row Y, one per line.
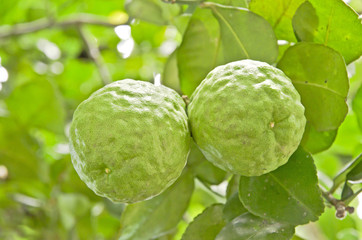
column 50, row 73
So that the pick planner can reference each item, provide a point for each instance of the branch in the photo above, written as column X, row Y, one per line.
column 44, row 23
column 94, row 53
column 340, row 206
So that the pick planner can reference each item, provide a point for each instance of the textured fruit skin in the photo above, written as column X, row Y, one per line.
column 130, row 140
column 246, row 117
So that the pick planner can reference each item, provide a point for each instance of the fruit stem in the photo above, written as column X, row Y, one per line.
column 186, row 99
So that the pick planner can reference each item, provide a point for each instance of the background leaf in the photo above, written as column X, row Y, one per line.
column 281, row 194
column 152, row 11
column 17, row 149
column 31, row 110
column 319, row 75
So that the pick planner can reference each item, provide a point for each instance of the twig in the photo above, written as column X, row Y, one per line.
column 94, row 53
column 340, row 206
column 44, row 23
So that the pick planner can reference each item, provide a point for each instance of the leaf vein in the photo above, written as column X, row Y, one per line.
column 232, row 31
column 319, row 86
column 291, row 194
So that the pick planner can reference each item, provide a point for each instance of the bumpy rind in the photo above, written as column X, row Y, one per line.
column 246, row 117
column 130, row 140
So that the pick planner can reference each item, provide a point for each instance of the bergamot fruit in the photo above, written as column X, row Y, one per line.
column 246, row 117
column 130, row 140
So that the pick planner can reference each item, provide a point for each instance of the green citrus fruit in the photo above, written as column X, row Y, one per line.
column 130, row 140
column 246, row 117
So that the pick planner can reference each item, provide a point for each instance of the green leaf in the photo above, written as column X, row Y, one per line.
column 157, row 216
column 250, row 227
column 346, row 191
column 245, row 35
column 355, row 174
column 233, row 186
column 233, row 207
column 198, row 52
column 279, row 14
column 281, row 194
column 314, row 141
column 203, row 169
column 240, row 34
column 170, row 73
column 319, row 74
column 153, row 11
column 343, row 174
column 295, row 237
column 234, row 3
column 357, row 106
column 306, row 21
column 338, row 27
column 36, row 103
column 206, row 225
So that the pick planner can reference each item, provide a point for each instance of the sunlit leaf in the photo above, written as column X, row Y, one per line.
column 240, row 34
column 170, row 73
column 319, row 75
column 245, row 35
column 279, row 14
column 198, row 52
column 338, row 26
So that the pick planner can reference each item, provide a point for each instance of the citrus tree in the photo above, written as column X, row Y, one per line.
column 184, row 152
